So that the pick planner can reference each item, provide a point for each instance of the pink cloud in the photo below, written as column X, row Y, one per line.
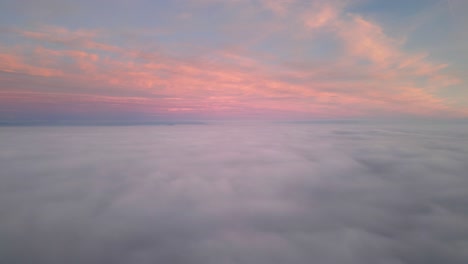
column 81, row 38
column 366, row 40
column 16, row 64
column 320, row 16
column 208, row 88
column 231, row 81
column 279, row 7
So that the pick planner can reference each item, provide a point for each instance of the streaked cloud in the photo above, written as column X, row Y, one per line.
column 309, row 60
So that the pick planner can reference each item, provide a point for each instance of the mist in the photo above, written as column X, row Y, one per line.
column 322, row 193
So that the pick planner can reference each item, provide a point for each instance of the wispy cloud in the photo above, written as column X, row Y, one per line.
column 366, row 71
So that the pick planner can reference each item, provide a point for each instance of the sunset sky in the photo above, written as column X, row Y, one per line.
column 145, row 60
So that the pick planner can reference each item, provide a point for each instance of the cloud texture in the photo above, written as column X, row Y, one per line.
column 284, row 193
column 212, row 59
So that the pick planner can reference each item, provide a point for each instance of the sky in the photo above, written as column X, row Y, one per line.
column 232, row 59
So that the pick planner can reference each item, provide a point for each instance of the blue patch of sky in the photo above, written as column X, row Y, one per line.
column 427, row 26
column 394, row 8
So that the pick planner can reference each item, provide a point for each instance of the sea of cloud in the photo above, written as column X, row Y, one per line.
column 235, row 193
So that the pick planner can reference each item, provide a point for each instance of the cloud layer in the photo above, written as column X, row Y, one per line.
column 285, row 193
